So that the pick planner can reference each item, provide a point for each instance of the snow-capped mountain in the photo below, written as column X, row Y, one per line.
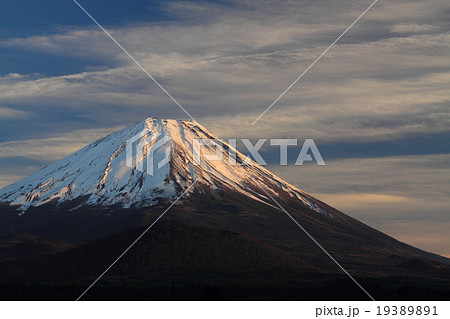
column 115, row 171
column 129, row 178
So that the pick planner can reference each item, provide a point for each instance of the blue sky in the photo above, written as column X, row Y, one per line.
column 377, row 104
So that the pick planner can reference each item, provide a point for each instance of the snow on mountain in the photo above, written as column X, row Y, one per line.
column 102, row 174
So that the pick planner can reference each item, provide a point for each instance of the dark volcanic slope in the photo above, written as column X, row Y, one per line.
column 355, row 245
column 180, row 262
column 167, row 247
column 26, row 246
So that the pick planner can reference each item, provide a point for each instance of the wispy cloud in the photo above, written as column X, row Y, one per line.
column 413, row 28
column 52, row 149
column 7, row 113
column 355, row 85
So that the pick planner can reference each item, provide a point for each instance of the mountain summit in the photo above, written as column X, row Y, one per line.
column 113, row 171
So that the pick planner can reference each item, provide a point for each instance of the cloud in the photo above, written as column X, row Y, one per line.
column 52, row 149
column 71, row 43
column 7, row 113
column 412, row 28
column 398, row 176
column 8, row 179
column 358, row 200
column 345, row 96
column 230, row 68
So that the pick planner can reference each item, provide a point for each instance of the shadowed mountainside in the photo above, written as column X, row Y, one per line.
column 180, row 262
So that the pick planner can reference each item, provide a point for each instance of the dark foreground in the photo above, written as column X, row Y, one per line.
column 334, row 288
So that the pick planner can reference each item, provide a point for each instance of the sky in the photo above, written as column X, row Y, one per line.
column 377, row 104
